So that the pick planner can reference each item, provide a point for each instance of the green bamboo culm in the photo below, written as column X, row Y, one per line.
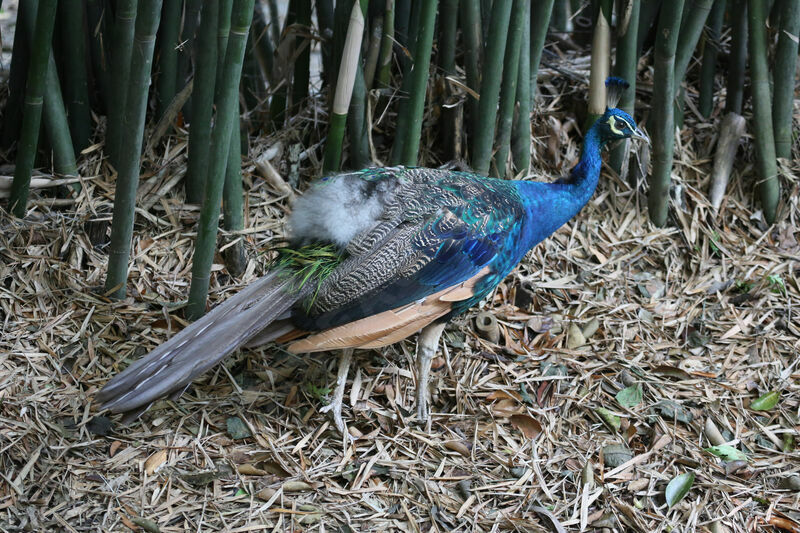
column 261, row 40
column 711, row 49
column 387, row 40
column 763, row 136
column 448, row 29
column 325, row 20
column 191, row 20
column 737, row 60
column 647, row 17
column 470, row 18
column 32, row 108
column 561, row 15
column 404, row 116
column 490, row 86
column 508, row 91
column 169, row 33
column 601, row 55
column 521, row 132
column 691, row 28
column 625, row 68
column 97, row 16
column 662, row 118
column 205, row 75
column 233, row 204
column 18, row 74
column 54, row 116
column 121, row 49
column 540, row 21
column 147, row 18
column 357, row 123
column 784, row 78
column 223, row 31
column 76, row 81
column 227, row 104
column 303, row 44
column 351, row 55
column 419, row 81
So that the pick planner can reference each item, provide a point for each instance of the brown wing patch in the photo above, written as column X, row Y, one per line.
column 390, row 326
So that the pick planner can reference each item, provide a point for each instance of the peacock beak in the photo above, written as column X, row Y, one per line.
column 639, row 135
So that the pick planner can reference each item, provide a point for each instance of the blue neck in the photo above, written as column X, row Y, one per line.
column 550, row 205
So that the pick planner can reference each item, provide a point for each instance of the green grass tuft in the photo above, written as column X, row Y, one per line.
column 308, row 264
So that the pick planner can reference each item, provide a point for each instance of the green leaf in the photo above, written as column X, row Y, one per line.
column 727, row 453
column 611, row 420
column 630, row 396
column 766, row 402
column 678, row 488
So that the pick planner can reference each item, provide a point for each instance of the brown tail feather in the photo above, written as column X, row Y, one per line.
column 173, row 365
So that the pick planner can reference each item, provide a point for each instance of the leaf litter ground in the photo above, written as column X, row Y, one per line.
column 622, row 351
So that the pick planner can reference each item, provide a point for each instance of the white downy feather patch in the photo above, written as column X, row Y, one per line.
column 340, row 208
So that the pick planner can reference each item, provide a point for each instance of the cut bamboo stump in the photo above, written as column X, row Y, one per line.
column 731, row 131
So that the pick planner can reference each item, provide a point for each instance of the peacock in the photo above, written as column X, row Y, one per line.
column 374, row 257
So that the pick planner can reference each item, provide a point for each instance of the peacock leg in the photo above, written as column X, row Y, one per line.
column 338, row 393
column 427, row 342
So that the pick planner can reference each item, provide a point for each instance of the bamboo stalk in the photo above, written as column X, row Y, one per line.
column 784, row 76
column 76, row 84
column 274, row 22
column 561, row 19
column 625, row 68
column 121, row 49
column 223, row 31
column 490, row 86
column 471, row 32
column 191, row 20
column 448, row 27
column 601, row 56
column 325, row 22
column 663, row 120
column 344, row 88
column 373, row 49
column 419, row 81
column 402, row 25
column 710, row 52
column 18, row 74
column 32, row 111
column 202, row 102
column 508, row 91
column 387, row 40
column 253, row 87
column 169, row 33
column 647, row 19
column 54, row 114
column 227, row 111
column 97, row 15
column 233, row 203
column 357, row 123
column 302, row 43
column 763, row 136
column 521, row 132
column 262, row 41
column 691, row 28
column 738, row 57
column 147, row 18
column 540, row 21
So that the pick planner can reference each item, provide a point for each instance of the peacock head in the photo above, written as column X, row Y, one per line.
column 616, row 124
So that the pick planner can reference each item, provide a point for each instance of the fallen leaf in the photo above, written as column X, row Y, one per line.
column 766, row 402
column 678, row 488
column 727, row 452
column 610, row 419
column 630, row 396
column 155, row 461
column 529, row 426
